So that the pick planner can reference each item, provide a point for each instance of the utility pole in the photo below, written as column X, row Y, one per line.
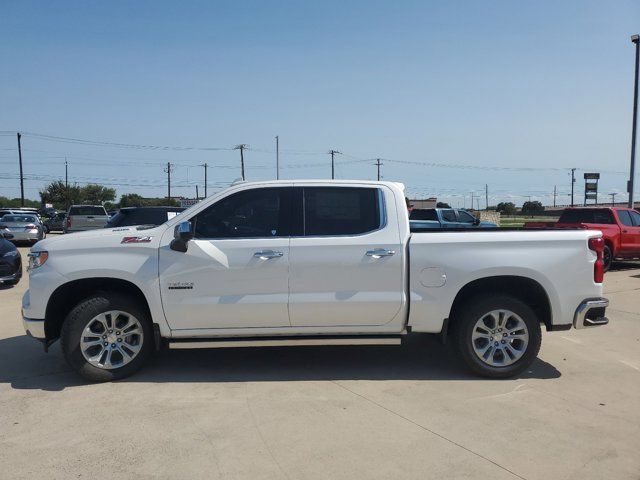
column 197, row 194
column 635, row 39
column 555, row 194
column 205, row 179
column 66, row 173
column 486, row 195
column 573, row 181
column 333, row 167
column 277, row 158
column 378, row 164
column 241, row 147
column 613, row 199
column 21, row 175
column 168, row 170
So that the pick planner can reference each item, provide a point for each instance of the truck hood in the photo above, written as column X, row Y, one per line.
column 101, row 238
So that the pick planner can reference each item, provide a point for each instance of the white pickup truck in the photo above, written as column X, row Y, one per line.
column 308, row 263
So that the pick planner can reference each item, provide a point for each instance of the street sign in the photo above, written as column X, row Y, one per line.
column 592, row 176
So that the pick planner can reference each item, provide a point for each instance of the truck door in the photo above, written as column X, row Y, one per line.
column 629, row 235
column 630, row 231
column 235, row 272
column 347, row 263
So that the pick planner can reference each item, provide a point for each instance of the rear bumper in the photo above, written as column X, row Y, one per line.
column 26, row 236
column 591, row 313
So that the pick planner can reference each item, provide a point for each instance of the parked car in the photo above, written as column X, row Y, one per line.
column 85, row 217
column 308, row 263
column 56, row 223
column 429, row 218
column 13, row 211
column 25, row 227
column 620, row 228
column 130, row 216
column 10, row 260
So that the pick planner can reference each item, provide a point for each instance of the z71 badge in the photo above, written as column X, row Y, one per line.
column 180, row 286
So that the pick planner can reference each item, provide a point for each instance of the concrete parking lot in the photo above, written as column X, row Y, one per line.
column 330, row 412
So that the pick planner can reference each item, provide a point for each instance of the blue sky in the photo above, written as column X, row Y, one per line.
column 448, row 94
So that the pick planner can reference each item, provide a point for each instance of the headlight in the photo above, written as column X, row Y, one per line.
column 13, row 253
column 37, row 259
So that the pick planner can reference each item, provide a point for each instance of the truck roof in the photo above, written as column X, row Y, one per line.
column 321, row 180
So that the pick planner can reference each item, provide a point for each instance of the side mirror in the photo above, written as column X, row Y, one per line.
column 181, row 236
column 6, row 234
column 476, row 222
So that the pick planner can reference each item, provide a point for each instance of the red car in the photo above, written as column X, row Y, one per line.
column 620, row 228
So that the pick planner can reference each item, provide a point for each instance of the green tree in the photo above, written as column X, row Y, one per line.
column 60, row 195
column 442, row 205
column 135, row 200
column 16, row 203
column 532, row 207
column 506, row 208
column 97, row 194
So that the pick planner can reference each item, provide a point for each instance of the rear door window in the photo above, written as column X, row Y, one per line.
column 449, row 216
column 331, row 211
column 636, row 218
column 88, row 211
column 423, row 214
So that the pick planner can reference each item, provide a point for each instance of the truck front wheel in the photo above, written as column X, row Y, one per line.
column 497, row 336
column 107, row 337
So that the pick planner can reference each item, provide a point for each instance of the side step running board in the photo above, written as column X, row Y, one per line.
column 283, row 342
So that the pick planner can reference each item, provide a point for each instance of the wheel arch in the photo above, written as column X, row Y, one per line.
column 524, row 289
column 67, row 296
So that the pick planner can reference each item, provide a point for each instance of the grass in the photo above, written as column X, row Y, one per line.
column 519, row 220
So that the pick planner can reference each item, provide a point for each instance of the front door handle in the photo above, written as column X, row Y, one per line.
column 380, row 252
column 268, row 254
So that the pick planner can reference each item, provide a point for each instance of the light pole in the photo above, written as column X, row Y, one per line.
column 635, row 39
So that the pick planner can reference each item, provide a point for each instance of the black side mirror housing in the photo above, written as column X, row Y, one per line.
column 476, row 221
column 182, row 233
column 6, row 235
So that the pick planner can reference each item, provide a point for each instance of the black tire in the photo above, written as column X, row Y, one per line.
column 607, row 258
column 77, row 320
column 465, row 321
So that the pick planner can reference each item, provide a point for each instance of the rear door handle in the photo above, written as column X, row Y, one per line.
column 380, row 252
column 268, row 254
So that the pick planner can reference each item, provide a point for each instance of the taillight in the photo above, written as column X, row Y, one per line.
column 597, row 245
column 30, row 227
column 68, row 223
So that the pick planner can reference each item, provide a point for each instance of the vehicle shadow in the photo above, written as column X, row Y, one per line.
column 24, row 364
column 622, row 265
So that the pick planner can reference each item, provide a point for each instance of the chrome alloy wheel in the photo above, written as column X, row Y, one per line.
column 500, row 338
column 111, row 339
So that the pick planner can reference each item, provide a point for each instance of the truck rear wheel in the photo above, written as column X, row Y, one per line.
column 107, row 337
column 497, row 337
column 607, row 258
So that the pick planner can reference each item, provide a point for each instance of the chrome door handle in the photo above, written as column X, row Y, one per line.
column 380, row 252
column 268, row 254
